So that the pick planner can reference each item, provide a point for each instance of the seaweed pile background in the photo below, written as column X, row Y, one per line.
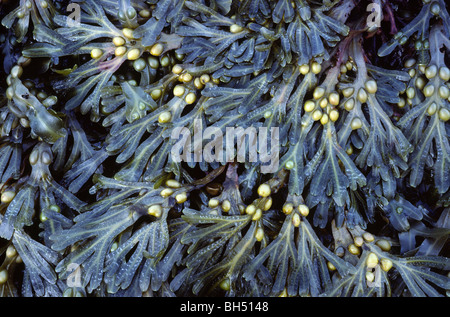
column 93, row 205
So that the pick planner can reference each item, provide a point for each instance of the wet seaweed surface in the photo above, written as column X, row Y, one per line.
column 98, row 198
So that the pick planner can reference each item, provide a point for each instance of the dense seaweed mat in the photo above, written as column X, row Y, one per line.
column 93, row 202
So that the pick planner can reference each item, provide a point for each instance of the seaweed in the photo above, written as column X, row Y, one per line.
column 224, row 148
